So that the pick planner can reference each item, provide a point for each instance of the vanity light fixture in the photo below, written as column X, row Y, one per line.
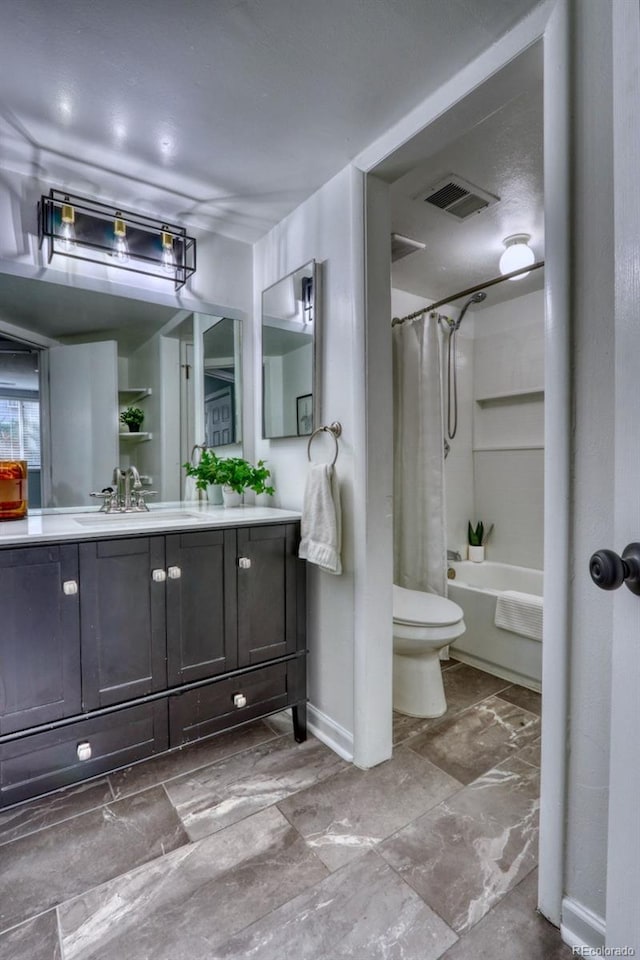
column 88, row 230
column 517, row 254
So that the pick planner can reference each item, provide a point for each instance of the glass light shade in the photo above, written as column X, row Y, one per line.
column 518, row 254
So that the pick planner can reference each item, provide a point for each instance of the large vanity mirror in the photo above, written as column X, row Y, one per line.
column 289, row 354
column 72, row 360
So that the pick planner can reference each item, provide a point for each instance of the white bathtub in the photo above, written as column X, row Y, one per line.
column 505, row 654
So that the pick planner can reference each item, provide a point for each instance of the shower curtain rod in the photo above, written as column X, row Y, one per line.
column 467, row 292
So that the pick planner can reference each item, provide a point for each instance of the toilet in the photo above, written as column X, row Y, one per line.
column 423, row 623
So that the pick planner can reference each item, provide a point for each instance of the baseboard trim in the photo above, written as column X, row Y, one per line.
column 329, row 732
column 580, row 927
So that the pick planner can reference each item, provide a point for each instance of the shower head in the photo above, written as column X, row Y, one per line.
column 474, row 298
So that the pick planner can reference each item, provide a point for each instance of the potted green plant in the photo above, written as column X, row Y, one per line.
column 205, row 474
column 237, row 475
column 133, row 417
column 476, row 546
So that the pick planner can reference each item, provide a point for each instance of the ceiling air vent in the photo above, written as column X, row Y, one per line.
column 403, row 246
column 458, row 197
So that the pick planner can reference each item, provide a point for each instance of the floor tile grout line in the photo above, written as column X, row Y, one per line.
column 48, row 826
column 251, row 813
column 60, row 937
column 448, row 716
column 420, row 897
column 22, row 923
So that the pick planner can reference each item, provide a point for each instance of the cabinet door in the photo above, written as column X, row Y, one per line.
column 268, row 591
column 39, row 636
column 122, row 616
column 201, row 604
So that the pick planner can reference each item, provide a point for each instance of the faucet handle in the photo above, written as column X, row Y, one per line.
column 140, row 495
column 107, row 496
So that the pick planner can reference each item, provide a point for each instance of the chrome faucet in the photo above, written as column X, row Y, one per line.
column 128, row 496
column 453, row 555
column 131, row 473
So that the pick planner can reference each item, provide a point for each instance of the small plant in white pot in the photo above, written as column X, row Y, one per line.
column 205, row 474
column 237, row 475
column 476, row 546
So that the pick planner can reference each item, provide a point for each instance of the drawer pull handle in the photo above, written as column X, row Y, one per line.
column 239, row 700
column 70, row 588
column 244, row 563
column 84, row 750
column 174, row 573
column 159, row 576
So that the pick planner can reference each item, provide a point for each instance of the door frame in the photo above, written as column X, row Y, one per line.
column 623, row 852
column 548, row 22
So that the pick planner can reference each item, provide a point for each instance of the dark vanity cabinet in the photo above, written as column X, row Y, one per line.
column 39, row 636
column 117, row 649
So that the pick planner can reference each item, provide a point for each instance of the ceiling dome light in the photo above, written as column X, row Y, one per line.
column 517, row 254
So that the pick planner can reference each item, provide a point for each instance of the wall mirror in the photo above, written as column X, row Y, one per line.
column 71, row 360
column 289, row 354
column 222, row 371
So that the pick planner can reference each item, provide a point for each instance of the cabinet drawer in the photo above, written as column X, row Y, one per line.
column 47, row 761
column 199, row 713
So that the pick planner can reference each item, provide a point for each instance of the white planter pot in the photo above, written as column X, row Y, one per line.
column 214, row 494
column 230, row 498
column 476, row 554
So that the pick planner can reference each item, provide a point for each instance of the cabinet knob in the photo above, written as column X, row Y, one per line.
column 174, row 573
column 84, row 750
column 70, row 587
column 244, row 563
column 239, row 700
column 159, row 576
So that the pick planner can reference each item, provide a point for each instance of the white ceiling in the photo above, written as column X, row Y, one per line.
column 493, row 139
column 221, row 113
column 64, row 313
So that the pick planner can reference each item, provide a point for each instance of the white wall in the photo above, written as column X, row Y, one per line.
column 321, row 228
column 508, row 427
column 489, row 477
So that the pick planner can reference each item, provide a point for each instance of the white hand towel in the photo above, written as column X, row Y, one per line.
column 519, row 612
column 321, row 525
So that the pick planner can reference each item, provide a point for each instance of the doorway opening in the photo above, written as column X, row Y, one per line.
column 489, row 144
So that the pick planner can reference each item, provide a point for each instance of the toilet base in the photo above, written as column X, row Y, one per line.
column 418, row 690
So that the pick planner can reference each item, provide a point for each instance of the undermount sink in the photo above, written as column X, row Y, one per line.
column 154, row 516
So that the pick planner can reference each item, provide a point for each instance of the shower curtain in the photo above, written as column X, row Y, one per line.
column 419, row 536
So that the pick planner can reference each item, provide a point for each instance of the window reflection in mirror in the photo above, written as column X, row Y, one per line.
column 222, row 383
column 289, row 321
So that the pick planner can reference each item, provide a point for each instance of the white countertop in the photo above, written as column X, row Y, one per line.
column 87, row 523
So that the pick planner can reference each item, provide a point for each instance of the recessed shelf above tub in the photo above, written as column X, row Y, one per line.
column 131, row 395
column 511, row 446
column 141, row 435
column 516, row 396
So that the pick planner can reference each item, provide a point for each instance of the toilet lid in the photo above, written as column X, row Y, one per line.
column 417, row 607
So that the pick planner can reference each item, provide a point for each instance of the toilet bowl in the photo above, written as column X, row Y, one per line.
column 423, row 623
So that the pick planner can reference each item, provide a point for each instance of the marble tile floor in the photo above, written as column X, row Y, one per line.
column 252, row 846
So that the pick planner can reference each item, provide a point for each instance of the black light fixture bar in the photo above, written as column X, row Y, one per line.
column 95, row 232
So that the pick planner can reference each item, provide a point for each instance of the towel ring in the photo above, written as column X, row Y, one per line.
column 335, row 429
